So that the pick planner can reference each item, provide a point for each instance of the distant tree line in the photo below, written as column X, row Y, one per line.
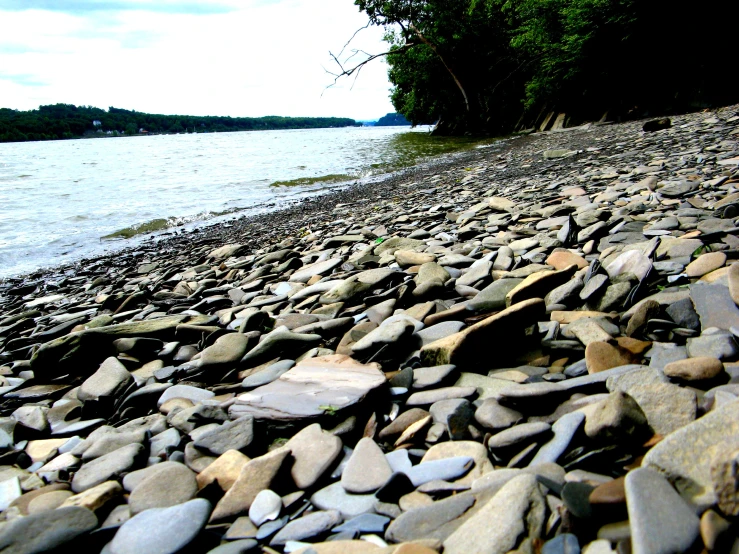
column 392, row 119
column 493, row 66
column 66, row 121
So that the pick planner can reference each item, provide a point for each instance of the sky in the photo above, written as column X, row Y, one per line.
column 242, row 58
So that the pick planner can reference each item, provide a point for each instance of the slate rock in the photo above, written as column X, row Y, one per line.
column 106, row 467
column 367, row 469
column 685, row 456
column 714, row 305
column 110, row 378
column 512, row 520
column 661, row 522
column 305, row 527
column 428, row 522
column 306, row 389
column 617, row 418
column 314, row 451
column 564, row 430
column 161, row 530
column 444, row 469
column 232, row 435
column 334, row 497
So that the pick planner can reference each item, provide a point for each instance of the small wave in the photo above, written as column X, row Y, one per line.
column 160, row 224
column 307, row 181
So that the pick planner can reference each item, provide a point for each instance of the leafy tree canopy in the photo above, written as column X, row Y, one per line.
column 62, row 121
column 493, row 65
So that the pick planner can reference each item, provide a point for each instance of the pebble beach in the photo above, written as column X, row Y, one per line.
column 529, row 347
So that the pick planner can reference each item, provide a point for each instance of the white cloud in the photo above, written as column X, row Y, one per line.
column 260, row 58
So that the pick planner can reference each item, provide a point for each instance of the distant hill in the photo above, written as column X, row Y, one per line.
column 392, row 119
column 66, row 121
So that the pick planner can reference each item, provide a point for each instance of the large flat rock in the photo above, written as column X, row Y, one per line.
column 311, row 388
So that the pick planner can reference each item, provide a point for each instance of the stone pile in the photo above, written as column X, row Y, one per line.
column 532, row 349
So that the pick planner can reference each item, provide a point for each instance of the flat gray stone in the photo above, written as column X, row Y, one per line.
column 684, row 456
column 367, row 469
column 493, row 296
column 232, row 435
column 194, row 394
column 161, row 530
column 110, row 378
column 106, row 467
column 720, row 344
column 523, row 433
column 313, row 451
column 714, row 305
column 307, row 526
column 492, row 415
column 268, row 374
column 445, row 469
column 334, row 497
column 564, row 430
column 424, row 377
column 661, row 522
column 171, row 485
column 46, row 530
column 310, row 389
column 429, row 522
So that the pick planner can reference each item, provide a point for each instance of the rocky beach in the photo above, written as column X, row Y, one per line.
column 529, row 348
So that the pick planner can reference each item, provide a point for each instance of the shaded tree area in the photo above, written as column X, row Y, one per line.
column 493, row 66
column 64, row 121
column 392, row 119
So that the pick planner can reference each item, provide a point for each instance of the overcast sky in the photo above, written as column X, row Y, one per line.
column 202, row 57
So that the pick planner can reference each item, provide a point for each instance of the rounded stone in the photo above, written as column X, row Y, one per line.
column 48, row 501
column 705, row 263
column 171, row 485
column 694, row 369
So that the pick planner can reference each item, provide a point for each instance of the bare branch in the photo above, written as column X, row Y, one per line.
column 348, row 42
column 354, row 70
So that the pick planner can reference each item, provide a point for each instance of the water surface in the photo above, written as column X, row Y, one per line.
column 63, row 200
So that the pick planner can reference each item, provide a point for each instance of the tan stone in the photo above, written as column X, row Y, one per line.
column 406, row 258
column 44, row 450
column 413, row 429
column 720, row 276
column 343, row 547
column 255, row 476
column 694, row 369
column 563, row 259
column 49, row 501
column 600, row 356
column 467, row 345
column 96, row 497
column 539, row 284
column 635, row 346
column 565, row 318
column 734, row 282
column 224, row 471
column 705, row 263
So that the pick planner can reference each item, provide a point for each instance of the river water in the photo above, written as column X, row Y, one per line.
column 64, row 200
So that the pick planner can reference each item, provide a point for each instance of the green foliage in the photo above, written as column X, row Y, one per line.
column 490, row 65
column 62, row 121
